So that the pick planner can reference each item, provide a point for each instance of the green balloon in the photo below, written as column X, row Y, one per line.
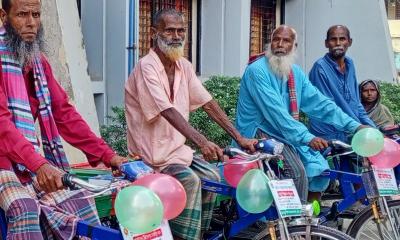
column 138, row 209
column 367, row 142
column 253, row 193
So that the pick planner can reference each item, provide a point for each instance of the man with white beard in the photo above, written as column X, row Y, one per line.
column 159, row 94
column 272, row 92
column 31, row 191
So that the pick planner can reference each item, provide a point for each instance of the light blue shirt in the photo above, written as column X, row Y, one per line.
column 342, row 88
column 264, row 104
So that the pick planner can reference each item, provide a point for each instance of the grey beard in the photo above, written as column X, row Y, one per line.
column 280, row 65
column 25, row 52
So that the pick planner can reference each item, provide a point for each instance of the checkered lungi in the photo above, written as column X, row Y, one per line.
column 293, row 168
column 34, row 215
column 196, row 217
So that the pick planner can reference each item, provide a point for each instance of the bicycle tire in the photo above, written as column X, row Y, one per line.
column 321, row 231
column 366, row 214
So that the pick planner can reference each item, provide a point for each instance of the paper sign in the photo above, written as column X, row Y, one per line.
column 386, row 182
column 286, row 197
column 161, row 233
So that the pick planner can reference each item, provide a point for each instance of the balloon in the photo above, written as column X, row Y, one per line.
column 253, row 193
column 234, row 172
column 138, row 209
column 170, row 191
column 367, row 142
column 389, row 157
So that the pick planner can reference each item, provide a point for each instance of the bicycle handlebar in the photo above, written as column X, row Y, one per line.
column 74, row 182
column 338, row 147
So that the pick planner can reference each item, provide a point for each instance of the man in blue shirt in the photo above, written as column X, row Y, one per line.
column 272, row 90
column 334, row 75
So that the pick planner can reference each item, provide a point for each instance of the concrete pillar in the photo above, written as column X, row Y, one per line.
column 66, row 53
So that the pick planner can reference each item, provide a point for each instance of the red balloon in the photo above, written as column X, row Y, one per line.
column 234, row 172
column 170, row 191
column 389, row 157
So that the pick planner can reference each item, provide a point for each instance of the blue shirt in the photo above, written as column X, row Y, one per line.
column 264, row 104
column 342, row 88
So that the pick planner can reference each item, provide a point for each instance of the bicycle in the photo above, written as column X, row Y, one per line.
column 85, row 229
column 278, row 226
column 380, row 218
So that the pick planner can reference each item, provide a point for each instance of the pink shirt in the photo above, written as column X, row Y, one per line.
column 147, row 94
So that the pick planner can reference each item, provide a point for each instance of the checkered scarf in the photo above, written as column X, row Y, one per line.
column 19, row 106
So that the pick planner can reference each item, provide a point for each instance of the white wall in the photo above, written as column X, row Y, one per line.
column 371, row 51
column 225, row 31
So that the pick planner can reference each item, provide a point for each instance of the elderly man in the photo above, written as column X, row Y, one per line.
column 30, row 184
column 335, row 76
column 272, row 92
column 159, row 94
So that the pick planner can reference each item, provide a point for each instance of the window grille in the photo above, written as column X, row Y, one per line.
column 262, row 23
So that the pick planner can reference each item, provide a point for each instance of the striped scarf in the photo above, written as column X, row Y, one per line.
column 292, row 97
column 294, row 111
column 19, row 106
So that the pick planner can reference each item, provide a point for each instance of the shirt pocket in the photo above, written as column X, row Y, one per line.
column 161, row 150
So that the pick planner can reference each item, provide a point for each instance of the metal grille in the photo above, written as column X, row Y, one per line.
column 262, row 23
column 148, row 8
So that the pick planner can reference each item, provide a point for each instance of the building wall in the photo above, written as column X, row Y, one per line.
column 105, row 29
column 225, row 31
column 371, row 50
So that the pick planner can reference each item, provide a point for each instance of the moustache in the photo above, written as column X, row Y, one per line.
column 338, row 48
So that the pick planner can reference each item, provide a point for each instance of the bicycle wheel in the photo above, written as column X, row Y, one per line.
column 364, row 226
column 318, row 232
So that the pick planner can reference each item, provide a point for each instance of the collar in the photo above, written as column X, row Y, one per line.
column 334, row 64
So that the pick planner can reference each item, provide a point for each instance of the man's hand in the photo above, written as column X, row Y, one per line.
column 211, row 151
column 248, row 144
column 116, row 163
column 49, row 178
column 318, row 144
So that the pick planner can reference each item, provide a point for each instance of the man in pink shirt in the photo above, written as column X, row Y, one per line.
column 159, row 95
column 31, row 190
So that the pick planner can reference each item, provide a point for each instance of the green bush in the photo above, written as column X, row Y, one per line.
column 391, row 98
column 225, row 92
column 115, row 132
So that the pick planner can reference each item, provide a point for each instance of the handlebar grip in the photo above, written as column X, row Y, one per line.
column 67, row 181
column 227, row 151
column 327, row 150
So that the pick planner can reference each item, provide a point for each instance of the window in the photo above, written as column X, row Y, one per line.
column 147, row 10
column 393, row 9
column 262, row 23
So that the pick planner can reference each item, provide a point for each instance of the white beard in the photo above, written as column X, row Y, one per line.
column 280, row 65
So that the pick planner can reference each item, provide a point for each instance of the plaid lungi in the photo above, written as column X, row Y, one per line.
column 196, row 217
column 293, row 168
column 33, row 214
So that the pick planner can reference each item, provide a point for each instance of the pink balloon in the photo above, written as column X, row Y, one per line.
column 389, row 157
column 234, row 172
column 170, row 191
